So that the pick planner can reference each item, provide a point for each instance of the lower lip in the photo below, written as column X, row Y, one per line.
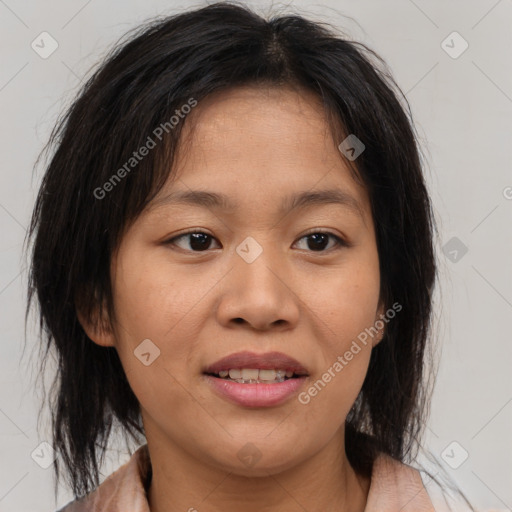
column 256, row 395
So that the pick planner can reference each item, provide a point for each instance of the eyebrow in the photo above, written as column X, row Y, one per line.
column 297, row 200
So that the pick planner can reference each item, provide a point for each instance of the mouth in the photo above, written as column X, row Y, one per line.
column 256, row 380
column 255, row 375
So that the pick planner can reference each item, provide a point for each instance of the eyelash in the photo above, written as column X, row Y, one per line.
column 340, row 242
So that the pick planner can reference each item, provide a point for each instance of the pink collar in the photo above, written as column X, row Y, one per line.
column 394, row 487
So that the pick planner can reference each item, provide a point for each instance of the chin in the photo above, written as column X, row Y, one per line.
column 261, row 468
column 258, row 457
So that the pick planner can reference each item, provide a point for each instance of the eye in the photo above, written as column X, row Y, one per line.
column 319, row 239
column 199, row 241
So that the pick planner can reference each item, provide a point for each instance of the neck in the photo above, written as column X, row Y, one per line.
column 324, row 482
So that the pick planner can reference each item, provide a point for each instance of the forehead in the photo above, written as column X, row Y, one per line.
column 259, row 146
column 279, row 117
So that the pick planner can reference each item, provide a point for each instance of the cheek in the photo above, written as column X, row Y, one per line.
column 153, row 341
column 143, row 298
column 346, row 303
column 152, row 297
column 347, row 310
column 331, row 394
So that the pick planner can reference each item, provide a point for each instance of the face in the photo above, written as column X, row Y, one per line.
column 257, row 276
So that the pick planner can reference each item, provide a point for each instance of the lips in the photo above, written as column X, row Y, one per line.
column 256, row 393
column 266, row 361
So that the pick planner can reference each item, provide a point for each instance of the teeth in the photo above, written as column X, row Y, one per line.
column 252, row 375
column 235, row 374
column 267, row 374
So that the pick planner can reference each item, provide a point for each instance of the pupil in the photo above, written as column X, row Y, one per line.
column 199, row 241
column 316, row 237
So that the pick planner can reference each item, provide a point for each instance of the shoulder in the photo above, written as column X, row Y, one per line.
column 396, row 486
column 124, row 489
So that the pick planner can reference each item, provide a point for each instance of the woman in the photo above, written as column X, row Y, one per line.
column 233, row 257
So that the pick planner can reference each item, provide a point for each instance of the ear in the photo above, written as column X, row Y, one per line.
column 97, row 327
column 379, row 322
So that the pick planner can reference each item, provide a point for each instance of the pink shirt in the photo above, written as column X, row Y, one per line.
column 394, row 487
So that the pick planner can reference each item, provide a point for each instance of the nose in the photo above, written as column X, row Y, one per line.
column 259, row 294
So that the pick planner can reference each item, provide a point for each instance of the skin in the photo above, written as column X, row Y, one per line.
column 257, row 145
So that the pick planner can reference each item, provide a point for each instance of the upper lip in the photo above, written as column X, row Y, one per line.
column 266, row 361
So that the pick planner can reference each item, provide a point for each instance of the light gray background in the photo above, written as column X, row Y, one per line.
column 462, row 108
